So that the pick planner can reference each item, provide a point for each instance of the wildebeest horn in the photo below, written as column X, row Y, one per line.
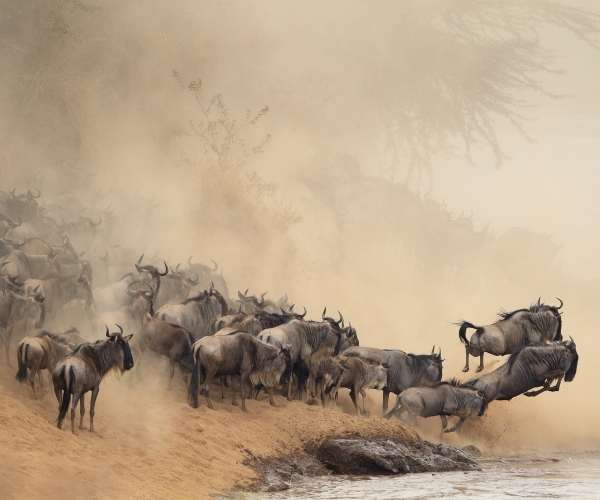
column 304, row 314
column 539, row 300
column 212, row 286
column 166, row 269
column 439, row 352
column 292, row 307
column 107, row 331
column 433, row 349
column 120, row 328
column 561, row 303
column 341, row 320
column 572, row 339
column 324, row 313
column 216, row 266
column 139, row 261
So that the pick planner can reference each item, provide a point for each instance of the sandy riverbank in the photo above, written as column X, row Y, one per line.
column 150, row 444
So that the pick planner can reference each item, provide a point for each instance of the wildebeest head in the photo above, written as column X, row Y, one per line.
column 152, row 270
column 475, row 403
column 23, row 206
column 573, row 358
column 122, row 349
column 429, row 367
column 291, row 313
column 348, row 335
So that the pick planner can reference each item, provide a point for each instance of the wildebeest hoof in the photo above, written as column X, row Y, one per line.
column 465, row 369
column 479, row 368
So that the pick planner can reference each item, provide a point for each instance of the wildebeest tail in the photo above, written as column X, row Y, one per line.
column 67, row 379
column 195, row 382
column 462, row 331
column 22, row 362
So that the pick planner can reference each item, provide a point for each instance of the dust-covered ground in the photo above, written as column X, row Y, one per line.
column 148, row 443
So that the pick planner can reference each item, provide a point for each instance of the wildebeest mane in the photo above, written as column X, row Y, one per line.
column 87, row 351
column 533, row 308
column 52, row 336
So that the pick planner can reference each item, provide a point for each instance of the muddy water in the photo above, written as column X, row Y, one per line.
column 525, row 476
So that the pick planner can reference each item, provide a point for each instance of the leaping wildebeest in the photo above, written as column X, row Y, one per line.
column 444, row 399
column 538, row 324
column 83, row 370
column 404, row 369
column 530, row 368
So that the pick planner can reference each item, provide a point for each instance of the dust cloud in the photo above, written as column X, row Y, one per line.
column 309, row 149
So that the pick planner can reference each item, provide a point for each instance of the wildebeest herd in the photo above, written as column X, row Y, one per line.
column 245, row 345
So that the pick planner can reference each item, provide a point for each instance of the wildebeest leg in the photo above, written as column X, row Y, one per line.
column 531, row 394
column 353, row 394
column 458, row 425
column 363, row 395
column 270, row 393
column 81, row 410
column 289, row 391
column 208, row 380
column 444, row 420
column 243, row 382
column 95, row 392
column 480, row 367
column 466, row 368
column 258, row 389
column 386, row 399
column 32, row 374
column 171, row 372
column 556, row 388
column 76, row 398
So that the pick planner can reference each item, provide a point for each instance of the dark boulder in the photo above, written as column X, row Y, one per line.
column 390, row 456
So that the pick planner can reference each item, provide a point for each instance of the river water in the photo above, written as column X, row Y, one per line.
column 524, row 476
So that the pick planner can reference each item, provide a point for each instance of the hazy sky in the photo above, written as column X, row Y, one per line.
column 553, row 184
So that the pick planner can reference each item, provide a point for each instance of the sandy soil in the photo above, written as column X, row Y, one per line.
column 150, row 444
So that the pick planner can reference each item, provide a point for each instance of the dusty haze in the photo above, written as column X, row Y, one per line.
column 104, row 102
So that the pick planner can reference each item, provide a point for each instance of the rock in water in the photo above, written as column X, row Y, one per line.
column 390, row 456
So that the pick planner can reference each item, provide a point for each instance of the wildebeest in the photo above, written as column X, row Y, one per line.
column 310, row 341
column 529, row 368
column 254, row 323
column 536, row 325
column 42, row 352
column 404, row 370
column 205, row 275
column 444, row 399
column 238, row 354
column 19, row 315
column 196, row 314
column 349, row 373
column 83, row 370
column 168, row 340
